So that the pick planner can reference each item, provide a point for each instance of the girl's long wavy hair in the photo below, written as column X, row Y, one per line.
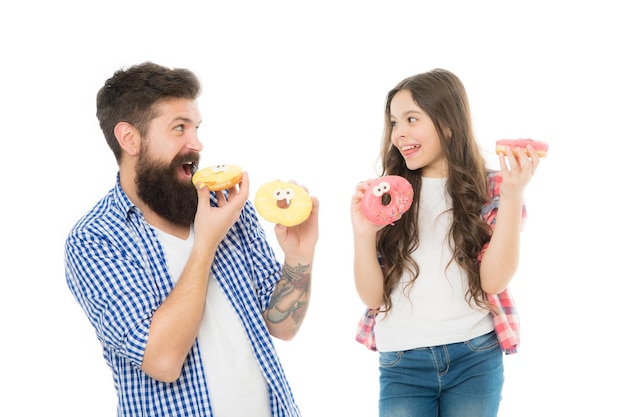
column 443, row 97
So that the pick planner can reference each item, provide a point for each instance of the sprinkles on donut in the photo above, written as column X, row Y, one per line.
column 387, row 199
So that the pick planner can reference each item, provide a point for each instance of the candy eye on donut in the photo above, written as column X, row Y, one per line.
column 283, row 197
column 284, row 194
column 219, row 168
column 381, row 189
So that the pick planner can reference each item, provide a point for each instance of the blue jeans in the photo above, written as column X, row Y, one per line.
column 457, row 380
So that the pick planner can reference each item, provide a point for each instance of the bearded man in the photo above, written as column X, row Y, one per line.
column 180, row 282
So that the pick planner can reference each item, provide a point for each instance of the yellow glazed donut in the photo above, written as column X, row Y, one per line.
column 218, row 177
column 387, row 199
column 283, row 203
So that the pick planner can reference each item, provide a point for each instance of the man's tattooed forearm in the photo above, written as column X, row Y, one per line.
column 299, row 276
column 290, row 297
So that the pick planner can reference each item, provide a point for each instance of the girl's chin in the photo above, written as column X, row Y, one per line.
column 412, row 165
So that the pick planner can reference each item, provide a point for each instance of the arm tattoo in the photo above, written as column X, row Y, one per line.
column 291, row 296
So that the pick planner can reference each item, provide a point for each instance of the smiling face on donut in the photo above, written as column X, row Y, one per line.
column 387, row 199
column 283, row 203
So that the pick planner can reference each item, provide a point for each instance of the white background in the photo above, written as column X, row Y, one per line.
column 303, row 83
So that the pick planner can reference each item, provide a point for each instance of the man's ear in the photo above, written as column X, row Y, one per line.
column 128, row 138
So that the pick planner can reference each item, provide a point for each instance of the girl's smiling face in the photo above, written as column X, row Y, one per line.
column 415, row 136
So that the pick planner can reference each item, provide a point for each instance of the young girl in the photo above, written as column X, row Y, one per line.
column 435, row 282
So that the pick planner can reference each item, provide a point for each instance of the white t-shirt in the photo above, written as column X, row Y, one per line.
column 433, row 311
column 237, row 387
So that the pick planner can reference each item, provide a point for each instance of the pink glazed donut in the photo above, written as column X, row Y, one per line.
column 387, row 199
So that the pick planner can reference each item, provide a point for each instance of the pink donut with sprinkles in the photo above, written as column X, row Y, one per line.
column 387, row 199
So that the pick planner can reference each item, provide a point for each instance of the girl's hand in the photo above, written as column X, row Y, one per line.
column 360, row 225
column 517, row 170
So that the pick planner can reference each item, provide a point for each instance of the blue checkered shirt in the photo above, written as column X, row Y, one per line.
column 116, row 269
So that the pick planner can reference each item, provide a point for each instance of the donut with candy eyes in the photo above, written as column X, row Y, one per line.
column 283, row 203
column 386, row 199
column 218, row 177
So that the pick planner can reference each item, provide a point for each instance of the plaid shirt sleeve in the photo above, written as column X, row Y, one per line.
column 506, row 321
column 505, row 317
column 365, row 329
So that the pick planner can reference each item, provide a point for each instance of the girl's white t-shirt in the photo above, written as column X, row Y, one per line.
column 237, row 388
column 433, row 311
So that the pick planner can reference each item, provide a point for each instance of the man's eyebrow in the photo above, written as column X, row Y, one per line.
column 184, row 120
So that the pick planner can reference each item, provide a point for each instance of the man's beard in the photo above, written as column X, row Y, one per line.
column 160, row 188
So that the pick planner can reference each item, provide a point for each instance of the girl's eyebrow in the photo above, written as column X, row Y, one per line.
column 406, row 113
